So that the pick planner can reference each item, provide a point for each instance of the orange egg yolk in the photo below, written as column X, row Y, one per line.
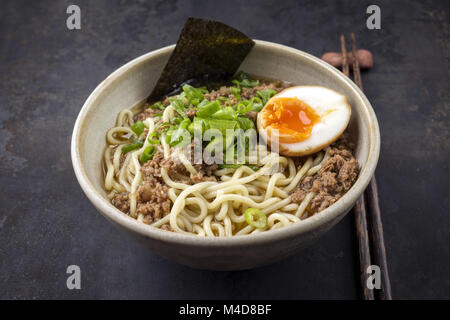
column 293, row 118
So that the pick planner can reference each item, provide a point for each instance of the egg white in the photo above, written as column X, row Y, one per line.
column 333, row 110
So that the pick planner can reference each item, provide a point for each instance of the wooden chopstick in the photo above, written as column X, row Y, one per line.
column 378, row 247
column 356, row 70
column 360, row 214
column 345, row 66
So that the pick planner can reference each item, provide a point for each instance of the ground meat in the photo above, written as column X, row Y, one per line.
column 333, row 180
column 298, row 196
column 215, row 94
column 147, row 113
column 223, row 92
column 201, row 177
column 205, row 171
column 248, row 93
column 191, row 113
column 209, row 168
column 153, row 194
column 152, row 168
column 153, row 199
column 166, row 227
column 252, row 115
column 121, row 201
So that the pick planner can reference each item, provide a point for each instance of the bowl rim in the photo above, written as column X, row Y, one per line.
column 294, row 230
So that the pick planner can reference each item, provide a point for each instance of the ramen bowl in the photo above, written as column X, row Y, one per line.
column 133, row 82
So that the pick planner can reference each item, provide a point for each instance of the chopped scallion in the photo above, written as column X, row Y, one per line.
column 177, row 104
column 226, row 113
column 256, row 218
column 158, row 105
column 266, row 95
column 131, row 147
column 138, row 128
column 245, row 123
column 147, row 154
column 194, row 95
column 243, row 80
column 207, row 110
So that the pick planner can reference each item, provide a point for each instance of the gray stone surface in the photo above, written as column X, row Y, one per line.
column 46, row 222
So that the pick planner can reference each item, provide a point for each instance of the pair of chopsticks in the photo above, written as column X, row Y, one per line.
column 367, row 213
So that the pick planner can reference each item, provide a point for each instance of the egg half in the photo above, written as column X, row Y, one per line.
column 302, row 120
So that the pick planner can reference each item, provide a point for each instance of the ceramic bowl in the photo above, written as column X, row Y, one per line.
column 132, row 82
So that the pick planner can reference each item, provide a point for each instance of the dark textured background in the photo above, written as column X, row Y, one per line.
column 46, row 222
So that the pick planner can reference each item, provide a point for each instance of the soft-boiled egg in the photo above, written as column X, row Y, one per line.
column 303, row 120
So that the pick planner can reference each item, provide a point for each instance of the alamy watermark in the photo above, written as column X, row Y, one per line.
column 73, row 21
column 74, row 280
column 374, row 277
column 374, row 20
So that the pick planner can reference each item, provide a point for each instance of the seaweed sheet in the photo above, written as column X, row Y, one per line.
column 206, row 51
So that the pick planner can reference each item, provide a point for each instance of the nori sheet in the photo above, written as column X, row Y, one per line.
column 206, row 51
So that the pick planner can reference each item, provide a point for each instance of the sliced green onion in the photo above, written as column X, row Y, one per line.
column 169, row 135
column 208, row 109
column 204, row 103
column 246, row 83
column 133, row 146
column 244, row 106
column 243, row 80
column 138, row 128
column 177, row 120
column 245, row 123
column 266, row 94
column 256, row 218
column 221, row 125
column 154, row 134
column 257, row 104
column 236, row 92
column 158, row 105
column 194, row 95
column 199, row 125
column 177, row 135
column 191, row 128
column 147, row 154
column 185, row 123
column 177, row 104
column 156, row 141
column 225, row 114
